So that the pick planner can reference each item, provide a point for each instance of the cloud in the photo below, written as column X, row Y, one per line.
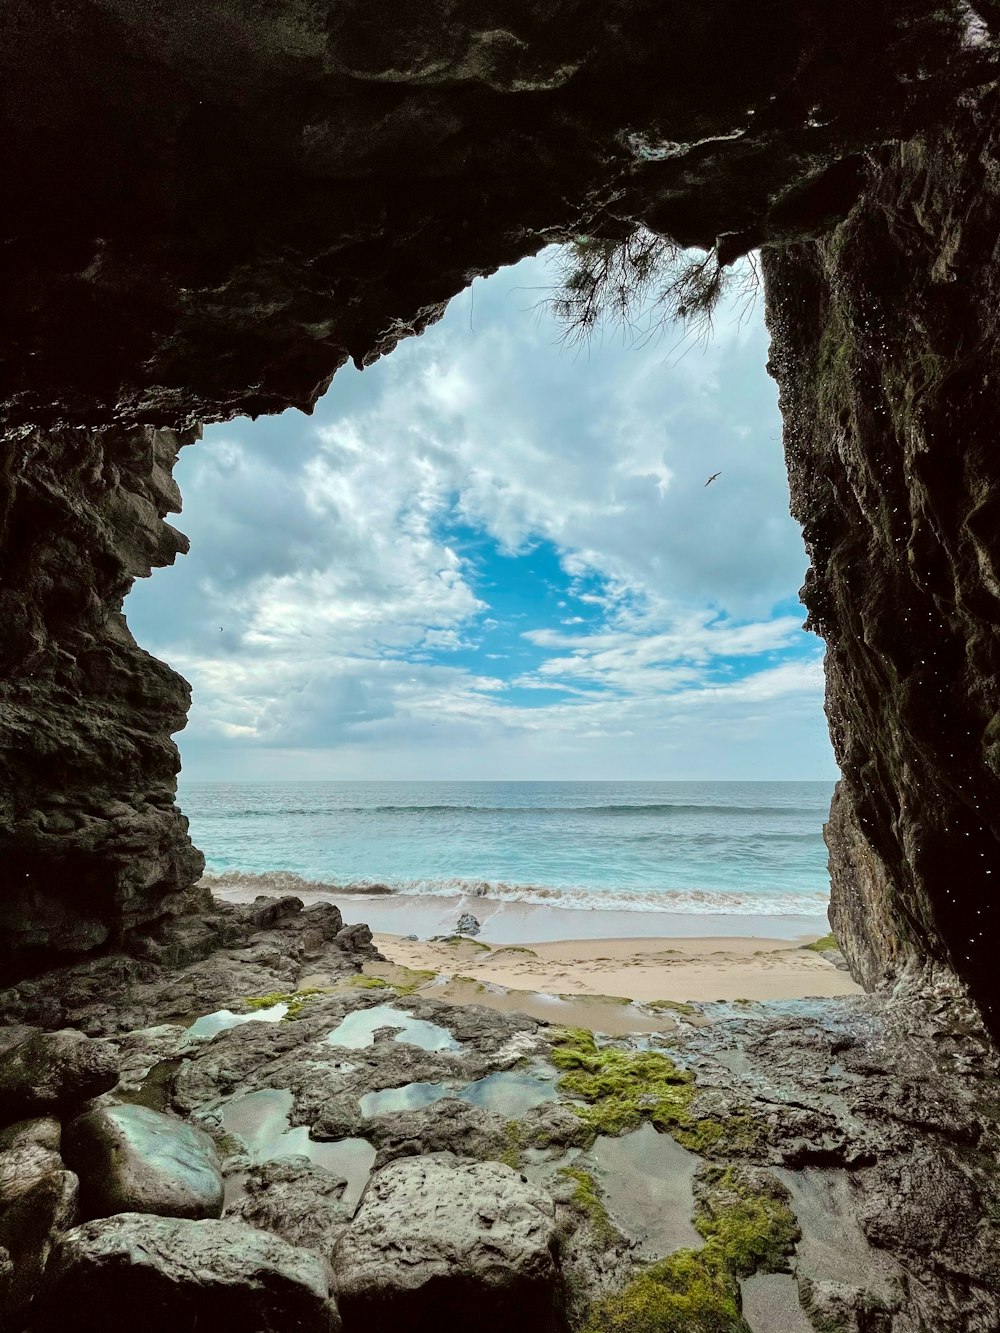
column 488, row 556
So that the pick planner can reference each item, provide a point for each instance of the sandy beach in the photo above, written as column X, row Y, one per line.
column 642, row 969
column 541, row 959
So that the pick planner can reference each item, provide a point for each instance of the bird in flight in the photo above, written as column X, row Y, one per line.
column 712, row 478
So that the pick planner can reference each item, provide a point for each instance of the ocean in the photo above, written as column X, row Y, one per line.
column 719, row 849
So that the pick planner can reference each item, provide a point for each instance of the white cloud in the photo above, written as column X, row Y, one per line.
column 324, row 594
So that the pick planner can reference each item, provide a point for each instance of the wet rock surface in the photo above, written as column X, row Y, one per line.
column 133, row 1159
column 868, row 1124
column 299, row 1201
column 179, row 1276
column 478, row 1245
column 38, row 1201
column 51, row 1071
column 191, row 966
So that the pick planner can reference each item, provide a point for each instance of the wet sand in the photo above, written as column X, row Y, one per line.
column 641, row 969
column 529, row 923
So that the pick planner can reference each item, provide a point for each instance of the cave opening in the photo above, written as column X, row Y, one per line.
column 493, row 557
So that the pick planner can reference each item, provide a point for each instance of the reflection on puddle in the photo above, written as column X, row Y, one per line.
column 261, row 1121
column 646, row 1183
column 505, row 1092
column 409, row 1098
column 224, row 1019
column 358, row 1030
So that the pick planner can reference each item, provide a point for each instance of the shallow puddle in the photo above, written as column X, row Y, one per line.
column 358, row 1030
column 224, row 1019
column 507, row 1092
column 771, row 1304
column 645, row 1180
column 260, row 1119
column 833, row 1247
column 612, row 1018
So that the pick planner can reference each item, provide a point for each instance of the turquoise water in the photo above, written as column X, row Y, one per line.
column 699, row 847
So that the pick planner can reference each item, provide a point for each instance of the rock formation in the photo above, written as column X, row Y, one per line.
column 885, row 351
column 211, row 208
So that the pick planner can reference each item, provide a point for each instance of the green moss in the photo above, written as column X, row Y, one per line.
column 748, row 1228
column 516, row 948
column 594, row 999
column 362, row 982
column 514, row 1135
column 688, row 1292
column 751, row 1225
column 294, row 999
column 228, row 1145
column 823, row 945
column 587, row 1201
column 455, row 940
column 409, row 979
column 674, row 1006
column 622, row 1088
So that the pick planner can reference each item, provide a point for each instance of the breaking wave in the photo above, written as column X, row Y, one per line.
column 246, row 885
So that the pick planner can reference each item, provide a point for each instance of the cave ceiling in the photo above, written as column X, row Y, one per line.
column 210, row 207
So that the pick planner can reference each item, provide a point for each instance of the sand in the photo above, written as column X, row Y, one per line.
column 643, row 969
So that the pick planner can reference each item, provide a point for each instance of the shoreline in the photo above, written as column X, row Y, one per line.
column 504, row 922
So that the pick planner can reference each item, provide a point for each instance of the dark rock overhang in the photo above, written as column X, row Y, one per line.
column 210, row 207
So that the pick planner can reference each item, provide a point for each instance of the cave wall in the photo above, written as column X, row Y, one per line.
column 210, row 208
column 885, row 351
column 92, row 844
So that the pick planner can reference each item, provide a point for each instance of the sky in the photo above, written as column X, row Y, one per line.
column 494, row 556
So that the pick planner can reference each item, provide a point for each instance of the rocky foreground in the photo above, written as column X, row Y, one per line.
column 249, row 1129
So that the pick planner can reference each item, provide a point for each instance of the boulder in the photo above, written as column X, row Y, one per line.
column 38, row 1199
column 133, row 1159
column 441, row 1247
column 42, row 1072
column 355, row 939
column 29, row 1150
column 295, row 1199
column 468, row 924
column 173, row 1275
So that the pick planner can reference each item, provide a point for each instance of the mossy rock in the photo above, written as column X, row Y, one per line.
column 825, row 945
column 406, row 980
column 622, row 1088
column 363, row 982
column 748, row 1228
column 688, row 1292
column 295, row 1000
column 586, row 1201
column 745, row 1215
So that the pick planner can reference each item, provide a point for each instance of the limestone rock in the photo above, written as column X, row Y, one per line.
column 468, row 924
column 171, row 1275
column 296, row 1200
column 52, row 1071
column 132, row 1159
column 438, row 1247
